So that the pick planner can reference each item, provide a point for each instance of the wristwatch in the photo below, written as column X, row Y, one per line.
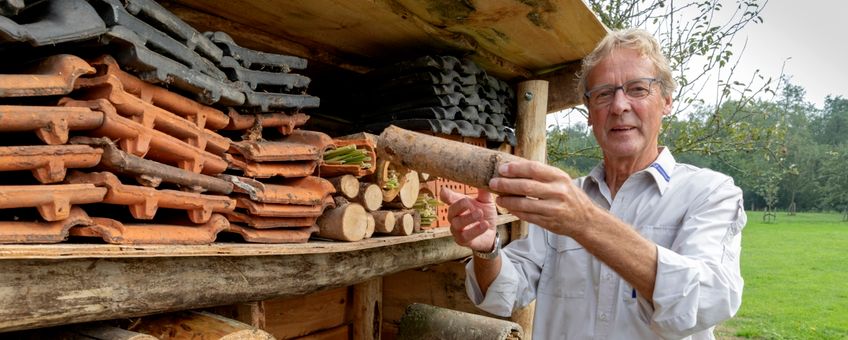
column 496, row 250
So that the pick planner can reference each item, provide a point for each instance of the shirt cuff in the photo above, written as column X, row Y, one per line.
column 501, row 295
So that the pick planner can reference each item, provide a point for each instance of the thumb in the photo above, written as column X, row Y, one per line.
column 449, row 196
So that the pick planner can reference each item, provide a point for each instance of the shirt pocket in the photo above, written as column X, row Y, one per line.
column 662, row 235
column 566, row 268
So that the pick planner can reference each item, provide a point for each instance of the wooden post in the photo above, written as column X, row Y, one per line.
column 530, row 132
column 368, row 309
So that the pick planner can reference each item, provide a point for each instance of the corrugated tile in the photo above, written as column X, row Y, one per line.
column 143, row 202
column 53, row 76
column 139, row 140
column 53, row 201
column 115, row 232
column 51, row 124
column 48, row 163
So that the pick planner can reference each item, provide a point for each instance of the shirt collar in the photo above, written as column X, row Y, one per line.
column 660, row 170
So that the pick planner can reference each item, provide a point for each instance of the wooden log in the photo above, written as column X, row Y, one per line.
column 367, row 308
column 404, row 223
column 106, row 332
column 422, row 321
column 530, row 133
column 461, row 162
column 409, row 188
column 369, row 225
column 197, row 325
column 346, row 185
column 384, row 221
column 370, row 196
column 343, row 223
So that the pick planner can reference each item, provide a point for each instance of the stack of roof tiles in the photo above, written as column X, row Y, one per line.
column 123, row 123
column 441, row 94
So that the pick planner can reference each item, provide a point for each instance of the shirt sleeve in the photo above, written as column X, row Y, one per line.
column 699, row 283
column 516, row 283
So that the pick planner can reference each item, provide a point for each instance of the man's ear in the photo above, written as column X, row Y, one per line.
column 667, row 105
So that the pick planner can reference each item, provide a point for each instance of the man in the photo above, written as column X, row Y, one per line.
column 641, row 248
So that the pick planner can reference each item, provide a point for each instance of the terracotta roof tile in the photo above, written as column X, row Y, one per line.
column 48, row 163
column 53, row 76
column 53, row 201
column 143, row 202
column 51, row 124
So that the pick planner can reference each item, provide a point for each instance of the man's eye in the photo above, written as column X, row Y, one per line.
column 605, row 93
column 638, row 90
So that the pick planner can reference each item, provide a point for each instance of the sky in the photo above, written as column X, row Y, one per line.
column 813, row 34
column 810, row 36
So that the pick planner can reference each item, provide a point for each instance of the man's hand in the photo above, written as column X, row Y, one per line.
column 472, row 220
column 543, row 195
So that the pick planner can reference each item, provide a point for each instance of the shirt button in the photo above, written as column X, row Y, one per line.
column 609, row 276
column 603, row 316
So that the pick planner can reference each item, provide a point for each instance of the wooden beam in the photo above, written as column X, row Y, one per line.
column 530, row 131
column 562, row 88
column 40, row 293
column 367, row 309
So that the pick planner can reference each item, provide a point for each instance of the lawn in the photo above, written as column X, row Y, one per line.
column 796, row 278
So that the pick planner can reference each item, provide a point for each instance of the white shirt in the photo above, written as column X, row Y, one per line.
column 695, row 216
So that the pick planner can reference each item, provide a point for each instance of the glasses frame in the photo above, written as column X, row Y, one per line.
column 621, row 87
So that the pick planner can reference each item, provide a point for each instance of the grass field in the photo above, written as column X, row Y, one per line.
column 796, row 278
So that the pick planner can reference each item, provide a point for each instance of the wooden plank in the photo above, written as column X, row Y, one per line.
column 39, row 292
column 509, row 38
column 288, row 318
column 255, row 38
column 367, row 309
column 67, row 251
column 341, row 332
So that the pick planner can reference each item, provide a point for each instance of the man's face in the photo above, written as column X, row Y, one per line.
column 627, row 128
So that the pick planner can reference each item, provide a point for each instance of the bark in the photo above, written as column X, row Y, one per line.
column 440, row 157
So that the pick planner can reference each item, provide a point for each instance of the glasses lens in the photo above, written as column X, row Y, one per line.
column 638, row 88
column 602, row 95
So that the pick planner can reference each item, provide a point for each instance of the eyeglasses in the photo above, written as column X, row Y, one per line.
column 634, row 89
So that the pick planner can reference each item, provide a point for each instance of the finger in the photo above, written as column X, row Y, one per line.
column 473, row 231
column 530, row 169
column 449, row 196
column 521, row 187
column 460, row 206
column 475, row 215
column 524, row 204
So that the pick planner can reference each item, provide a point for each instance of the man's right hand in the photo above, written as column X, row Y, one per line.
column 472, row 220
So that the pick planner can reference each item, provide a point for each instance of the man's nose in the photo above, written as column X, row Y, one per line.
column 620, row 103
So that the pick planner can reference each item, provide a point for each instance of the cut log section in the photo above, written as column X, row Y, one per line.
column 384, row 221
column 347, row 185
column 404, row 223
column 344, row 223
column 370, row 225
column 440, row 157
column 197, row 325
column 370, row 196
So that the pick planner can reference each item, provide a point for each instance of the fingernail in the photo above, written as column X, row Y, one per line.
column 493, row 182
column 476, row 214
column 503, row 168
